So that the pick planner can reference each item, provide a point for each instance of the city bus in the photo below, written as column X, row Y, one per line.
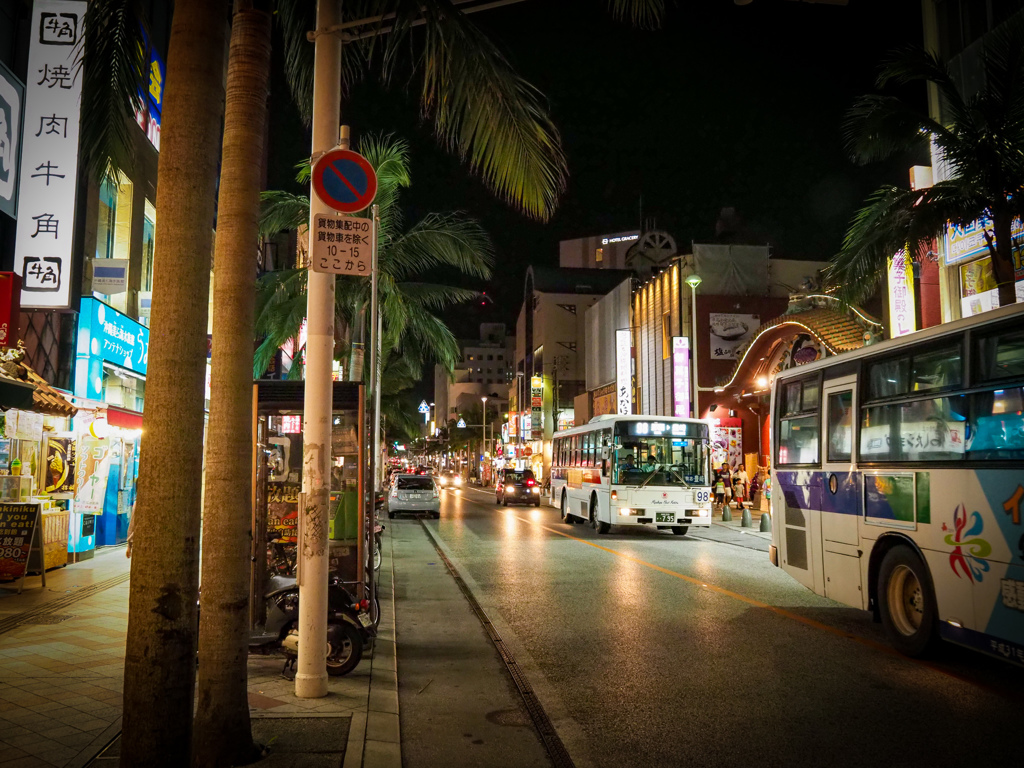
column 633, row 470
column 898, row 481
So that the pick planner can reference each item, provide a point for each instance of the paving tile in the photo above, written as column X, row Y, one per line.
column 24, row 741
column 382, row 726
column 28, row 761
column 381, row 754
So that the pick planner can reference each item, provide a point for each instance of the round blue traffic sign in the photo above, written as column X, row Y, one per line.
column 344, row 180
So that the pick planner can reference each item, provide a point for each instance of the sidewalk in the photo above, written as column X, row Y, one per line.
column 62, row 665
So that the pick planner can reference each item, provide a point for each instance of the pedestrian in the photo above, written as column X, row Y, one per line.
column 740, row 484
column 719, row 490
column 727, row 481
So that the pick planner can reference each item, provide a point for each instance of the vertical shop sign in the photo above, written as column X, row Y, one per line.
column 537, row 407
column 148, row 114
column 49, row 161
column 624, row 371
column 92, row 465
column 60, row 465
column 902, row 309
column 12, row 101
column 680, row 376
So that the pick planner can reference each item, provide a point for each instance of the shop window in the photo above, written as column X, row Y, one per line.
column 113, row 231
column 840, row 426
column 978, row 290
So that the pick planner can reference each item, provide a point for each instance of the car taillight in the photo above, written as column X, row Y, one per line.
column 531, row 482
column 364, row 605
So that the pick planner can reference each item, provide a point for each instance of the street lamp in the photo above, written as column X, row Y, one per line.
column 483, row 426
column 693, row 281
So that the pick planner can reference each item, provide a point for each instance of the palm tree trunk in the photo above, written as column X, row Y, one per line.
column 223, row 734
column 159, row 674
column 1002, row 259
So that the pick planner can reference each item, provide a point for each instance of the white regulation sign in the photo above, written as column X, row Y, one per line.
column 341, row 244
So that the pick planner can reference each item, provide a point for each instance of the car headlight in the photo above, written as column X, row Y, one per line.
column 536, row 489
column 457, row 480
column 510, row 489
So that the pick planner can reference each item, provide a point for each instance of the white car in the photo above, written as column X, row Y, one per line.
column 414, row 493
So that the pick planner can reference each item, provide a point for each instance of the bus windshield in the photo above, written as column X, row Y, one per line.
column 658, row 461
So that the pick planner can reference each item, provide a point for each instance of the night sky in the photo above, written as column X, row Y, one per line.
column 725, row 106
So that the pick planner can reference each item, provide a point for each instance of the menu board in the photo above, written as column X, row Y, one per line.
column 60, row 465
column 17, row 528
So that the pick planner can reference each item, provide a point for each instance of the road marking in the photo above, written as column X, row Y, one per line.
column 887, row 649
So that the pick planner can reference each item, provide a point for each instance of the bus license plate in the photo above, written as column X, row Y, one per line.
column 664, row 517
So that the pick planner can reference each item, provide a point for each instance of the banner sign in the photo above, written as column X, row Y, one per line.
column 49, row 155
column 10, row 308
column 92, row 466
column 730, row 334
column 60, row 465
column 902, row 308
column 106, row 335
column 681, row 376
column 148, row 115
column 966, row 242
column 624, row 371
column 12, row 105
column 537, row 407
column 17, row 528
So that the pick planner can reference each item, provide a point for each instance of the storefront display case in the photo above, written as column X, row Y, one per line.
column 277, row 483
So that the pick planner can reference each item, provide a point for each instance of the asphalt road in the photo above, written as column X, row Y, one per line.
column 648, row 649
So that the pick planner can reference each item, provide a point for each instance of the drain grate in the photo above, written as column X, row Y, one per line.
column 49, row 618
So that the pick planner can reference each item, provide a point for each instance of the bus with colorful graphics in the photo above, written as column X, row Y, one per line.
column 633, row 470
column 898, row 482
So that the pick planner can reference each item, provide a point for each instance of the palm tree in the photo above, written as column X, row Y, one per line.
column 982, row 144
column 223, row 735
column 161, row 647
column 438, row 240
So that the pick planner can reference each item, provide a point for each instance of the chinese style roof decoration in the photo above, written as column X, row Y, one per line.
column 45, row 399
column 807, row 332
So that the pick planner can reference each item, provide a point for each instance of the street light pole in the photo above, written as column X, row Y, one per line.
column 693, row 281
column 311, row 668
column 483, row 453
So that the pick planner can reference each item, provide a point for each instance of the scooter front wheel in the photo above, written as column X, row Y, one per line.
column 344, row 648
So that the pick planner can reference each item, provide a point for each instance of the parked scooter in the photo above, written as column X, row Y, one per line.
column 348, row 627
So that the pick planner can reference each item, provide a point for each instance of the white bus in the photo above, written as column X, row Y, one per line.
column 633, row 470
column 898, row 482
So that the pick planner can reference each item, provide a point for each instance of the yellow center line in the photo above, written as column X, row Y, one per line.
column 873, row 644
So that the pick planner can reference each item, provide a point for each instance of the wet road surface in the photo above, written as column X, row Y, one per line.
column 649, row 649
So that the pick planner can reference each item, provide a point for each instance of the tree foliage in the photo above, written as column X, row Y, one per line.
column 981, row 146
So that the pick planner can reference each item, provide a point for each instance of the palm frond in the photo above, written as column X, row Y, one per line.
column 482, row 109
column 643, row 14
column 892, row 220
column 912, row 64
column 440, row 240
column 114, row 69
column 282, row 211
column 878, row 127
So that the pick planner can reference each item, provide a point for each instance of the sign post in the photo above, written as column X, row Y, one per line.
column 20, row 533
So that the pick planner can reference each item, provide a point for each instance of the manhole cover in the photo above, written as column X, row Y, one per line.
column 55, row 618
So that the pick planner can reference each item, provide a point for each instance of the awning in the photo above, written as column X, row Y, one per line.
column 122, row 417
column 15, row 394
column 42, row 397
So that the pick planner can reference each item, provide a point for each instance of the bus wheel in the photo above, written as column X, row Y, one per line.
column 566, row 517
column 680, row 530
column 906, row 602
column 594, row 522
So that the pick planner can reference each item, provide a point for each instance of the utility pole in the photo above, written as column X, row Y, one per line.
column 311, row 669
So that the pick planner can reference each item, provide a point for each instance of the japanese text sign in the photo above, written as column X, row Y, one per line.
column 106, row 335
column 680, row 376
column 624, row 371
column 902, row 309
column 49, row 161
column 966, row 242
column 17, row 525
column 148, row 114
column 342, row 245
